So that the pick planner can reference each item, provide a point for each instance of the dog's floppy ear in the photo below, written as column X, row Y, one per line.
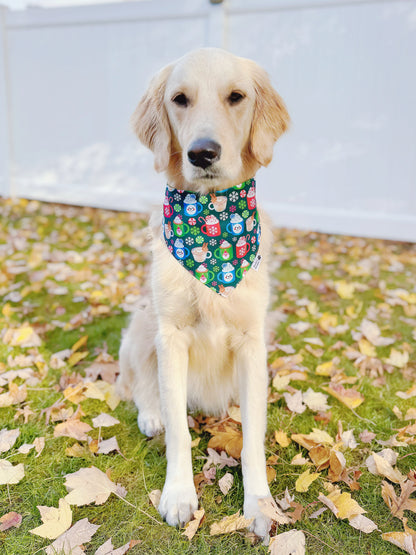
column 270, row 118
column 150, row 121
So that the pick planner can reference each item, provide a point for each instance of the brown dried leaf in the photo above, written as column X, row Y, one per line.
column 230, row 524
column 72, row 428
column 193, row 525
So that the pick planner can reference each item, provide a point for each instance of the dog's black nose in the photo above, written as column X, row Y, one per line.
column 204, row 152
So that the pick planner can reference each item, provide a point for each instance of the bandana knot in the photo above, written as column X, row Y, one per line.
column 216, row 236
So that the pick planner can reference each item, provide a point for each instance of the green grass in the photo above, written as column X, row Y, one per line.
column 112, row 260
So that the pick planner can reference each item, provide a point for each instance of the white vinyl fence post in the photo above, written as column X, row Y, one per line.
column 216, row 24
column 5, row 114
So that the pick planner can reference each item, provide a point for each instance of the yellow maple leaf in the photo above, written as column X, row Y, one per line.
column 344, row 289
column 55, row 521
column 349, row 397
column 282, row 439
column 305, row 480
column 366, row 348
column 397, row 358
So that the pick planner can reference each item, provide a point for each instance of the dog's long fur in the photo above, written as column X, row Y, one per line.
column 191, row 345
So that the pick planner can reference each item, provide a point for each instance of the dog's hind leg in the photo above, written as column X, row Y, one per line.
column 138, row 378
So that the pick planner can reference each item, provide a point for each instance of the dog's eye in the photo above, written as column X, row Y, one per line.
column 180, row 99
column 235, row 97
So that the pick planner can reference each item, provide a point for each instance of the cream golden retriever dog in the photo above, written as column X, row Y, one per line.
column 211, row 120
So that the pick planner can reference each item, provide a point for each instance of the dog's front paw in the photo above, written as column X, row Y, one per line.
column 178, row 503
column 150, row 424
column 261, row 523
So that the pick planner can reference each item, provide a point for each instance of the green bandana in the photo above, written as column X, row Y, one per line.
column 216, row 236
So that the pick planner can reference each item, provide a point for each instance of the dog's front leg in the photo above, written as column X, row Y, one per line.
column 253, row 380
column 179, row 500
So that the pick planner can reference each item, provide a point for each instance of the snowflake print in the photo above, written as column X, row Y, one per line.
column 177, row 207
column 212, row 242
column 233, row 196
column 243, row 193
column 223, row 216
column 214, row 284
column 235, row 262
column 194, row 231
column 192, row 221
column 206, row 212
column 190, row 263
column 203, row 199
column 212, row 261
column 189, row 241
column 245, row 214
column 199, row 240
column 224, row 235
column 216, row 269
column 242, row 204
column 177, row 197
column 233, row 208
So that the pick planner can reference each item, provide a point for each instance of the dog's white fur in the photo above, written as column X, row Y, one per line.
column 192, row 346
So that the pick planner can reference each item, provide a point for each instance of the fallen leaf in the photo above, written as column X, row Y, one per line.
column 373, row 334
column 379, row 465
column 405, row 540
column 366, row 436
column 349, row 397
column 8, row 439
column 282, row 439
column 288, row 543
column 364, row 524
column 104, row 420
column 80, row 343
column 295, row 402
column 77, row 450
column 103, row 391
column 226, row 482
column 154, row 497
column 25, row 336
column 398, row 505
column 315, row 401
column 341, row 504
column 269, row 508
column 235, row 413
column 68, row 543
column 108, row 549
column 231, row 441
column 105, row 446
column 72, row 428
column 407, row 394
column 10, row 520
column 15, row 395
column 305, row 480
column 88, row 485
column 230, row 524
column 10, row 474
column 55, row 521
column 397, row 358
column 193, row 525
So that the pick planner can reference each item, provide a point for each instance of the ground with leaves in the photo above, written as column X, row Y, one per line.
column 76, row 475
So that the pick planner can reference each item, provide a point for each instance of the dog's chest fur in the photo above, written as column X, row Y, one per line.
column 212, row 326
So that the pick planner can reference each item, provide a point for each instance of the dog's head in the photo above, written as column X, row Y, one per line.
column 211, row 119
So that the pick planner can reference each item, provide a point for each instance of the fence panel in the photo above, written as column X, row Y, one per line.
column 344, row 68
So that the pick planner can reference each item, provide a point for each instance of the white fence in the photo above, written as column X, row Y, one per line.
column 70, row 78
